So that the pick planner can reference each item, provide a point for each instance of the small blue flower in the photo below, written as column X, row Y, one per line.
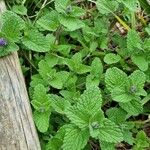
column 3, row 42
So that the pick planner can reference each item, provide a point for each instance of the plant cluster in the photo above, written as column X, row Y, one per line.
column 89, row 86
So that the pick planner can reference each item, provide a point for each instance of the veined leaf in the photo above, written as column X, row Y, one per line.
column 75, row 138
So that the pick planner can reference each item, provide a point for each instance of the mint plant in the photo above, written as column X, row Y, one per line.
column 86, row 65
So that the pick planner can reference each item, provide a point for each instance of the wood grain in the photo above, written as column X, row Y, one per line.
column 17, row 130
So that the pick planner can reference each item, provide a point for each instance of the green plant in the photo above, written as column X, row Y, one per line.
column 89, row 83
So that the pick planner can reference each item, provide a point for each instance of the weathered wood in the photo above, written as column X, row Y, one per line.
column 17, row 130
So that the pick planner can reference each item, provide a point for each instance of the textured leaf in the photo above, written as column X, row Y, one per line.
column 110, row 132
column 111, row 58
column 19, row 9
column 54, row 144
column 71, row 23
column 76, row 11
column 41, row 101
column 49, row 21
column 114, row 78
column 133, row 107
column 106, row 6
column 140, row 61
column 106, row 145
column 75, row 138
column 142, row 141
column 41, row 120
column 88, row 104
column 131, row 5
column 61, row 6
column 36, row 41
column 12, row 24
column 116, row 115
column 59, row 104
column 138, row 78
column 122, row 95
column 133, row 41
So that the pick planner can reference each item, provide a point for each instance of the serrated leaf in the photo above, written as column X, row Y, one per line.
column 36, row 41
column 142, row 141
column 106, row 7
column 75, row 138
column 116, row 115
column 138, row 78
column 114, row 78
column 59, row 104
column 49, row 21
column 111, row 58
column 107, row 145
column 88, row 104
column 122, row 95
column 61, row 6
column 131, row 5
column 76, row 11
column 71, row 23
column 19, row 9
column 11, row 25
column 75, row 64
column 41, row 120
column 133, row 107
column 110, row 132
column 134, row 43
column 36, row 79
column 140, row 61
column 54, row 144
column 41, row 101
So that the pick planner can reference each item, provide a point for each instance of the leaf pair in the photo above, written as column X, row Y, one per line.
column 126, row 90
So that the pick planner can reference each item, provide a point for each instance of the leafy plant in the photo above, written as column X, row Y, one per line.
column 86, row 65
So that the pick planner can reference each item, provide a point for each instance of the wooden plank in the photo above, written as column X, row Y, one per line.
column 17, row 130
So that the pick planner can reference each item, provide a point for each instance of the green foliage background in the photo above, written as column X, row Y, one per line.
column 88, row 82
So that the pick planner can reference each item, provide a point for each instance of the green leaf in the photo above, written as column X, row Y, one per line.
column 59, row 104
column 75, row 64
column 36, row 79
column 133, row 107
column 140, row 61
column 61, row 6
column 36, row 41
column 114, row 78
column 107, row 145
column 12, row 24
column 88, row 104
column 110, row 132
column 75, row 138
column 142, row 141
column 54, row 144
column 106, row 6
column 122, row 95
column 19, row 9
column 70, row 23
column 131, row 5
column 49, row 21
column 134, row 43
column 10, row 47
column 41, row 100
column 76, row 11
column 138, row 78
column 111, row 58
column 116, row 115
column 41, row 120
